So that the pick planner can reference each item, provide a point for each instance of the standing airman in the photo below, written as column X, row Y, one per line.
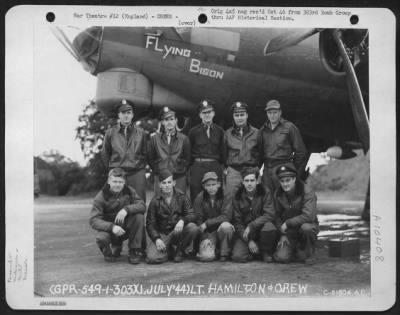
column 169, row 149
column 240, row 147
column 207, row 146
column 279, row 142
column 125, row 146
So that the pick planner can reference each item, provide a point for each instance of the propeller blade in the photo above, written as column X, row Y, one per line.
column 287, row 39
column 356, row 99
column 63, row 39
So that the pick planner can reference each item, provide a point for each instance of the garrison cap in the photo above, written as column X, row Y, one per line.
column 205, row 106
column 273, row 104
column 164, row 174
column 116, row 172
column 166, row 112
column 250, row 170
column 209, row 175
column 286, row 170
column 124, row 106
column 239, row 107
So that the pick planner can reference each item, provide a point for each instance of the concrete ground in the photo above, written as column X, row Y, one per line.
column 68, row 262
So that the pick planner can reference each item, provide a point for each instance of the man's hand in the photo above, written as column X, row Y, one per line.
column 117, row 230
column 284, row 240
column 119, row 219
column 203, row 227
column 253, row 248
column 246, row 234
column 179, row 227
column 160, row 245
column 284, row 228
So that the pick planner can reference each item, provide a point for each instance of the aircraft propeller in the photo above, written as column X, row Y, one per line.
column 356, row 100
column 288, row 39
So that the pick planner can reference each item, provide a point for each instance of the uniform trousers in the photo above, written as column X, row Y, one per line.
column 233, row 182
column 266, row 237
column 270, row 180
column 302, row 241
column 182, row 241
column 137, row 180
column 134, row 232
column 197, row 170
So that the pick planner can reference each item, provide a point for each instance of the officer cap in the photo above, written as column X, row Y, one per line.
column 250, row 170
column 209, row 175
column 286, row 170
column 124, row 106
column 239, row 107
column 116, row 172
column 273, row 104
column 164, row 174
column 166, row 112
column 205, row 106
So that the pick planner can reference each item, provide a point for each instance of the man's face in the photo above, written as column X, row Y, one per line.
column 211, row 186
column 240, row 119
column 274, row 115
column 169, row 123
column 116, row 183
column 125, row 117
column 287, row 183
column 250, row 182
column 167, row 185
column 207, row 116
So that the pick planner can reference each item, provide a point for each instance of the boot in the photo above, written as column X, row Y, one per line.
column 107, row 253
column 134, row 257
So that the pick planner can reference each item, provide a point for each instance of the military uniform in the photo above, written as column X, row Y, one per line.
column 278, row 146
column 299, row 210
column 258, row 214
column 126, row 147
column 217, row 216
column 170, row 151
column 106, row 206
column 207, row 147
column 241, row 150
column 160, row 223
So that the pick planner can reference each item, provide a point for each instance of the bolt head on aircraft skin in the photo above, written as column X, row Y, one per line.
column 320, row 76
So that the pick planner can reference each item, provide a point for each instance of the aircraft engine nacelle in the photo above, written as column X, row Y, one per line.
column 121, row 83
column 356, row 47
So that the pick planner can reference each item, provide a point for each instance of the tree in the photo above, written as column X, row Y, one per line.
column 90, row 132
column 66, row 172
column 91, row 129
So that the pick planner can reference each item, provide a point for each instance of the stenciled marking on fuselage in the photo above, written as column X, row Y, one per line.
column 167, row 50
column 195, row 67
column 195, row 64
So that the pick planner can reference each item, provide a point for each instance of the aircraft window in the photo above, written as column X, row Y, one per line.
column 221, row 39
column 87, row 44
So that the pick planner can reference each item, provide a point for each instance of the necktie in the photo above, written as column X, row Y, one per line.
column 208, row 131
column 126, row 131
column 169, row 138
column 240, row 132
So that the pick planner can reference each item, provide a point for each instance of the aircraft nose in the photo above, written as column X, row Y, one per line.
column 87, row 45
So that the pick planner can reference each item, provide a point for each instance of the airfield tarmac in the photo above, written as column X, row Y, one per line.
column 69, row 264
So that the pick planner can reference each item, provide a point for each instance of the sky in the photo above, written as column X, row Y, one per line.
column 61, row 90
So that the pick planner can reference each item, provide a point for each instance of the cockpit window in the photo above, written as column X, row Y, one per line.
column 87, row 44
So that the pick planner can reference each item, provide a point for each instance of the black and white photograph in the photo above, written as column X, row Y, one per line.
column 225, row 158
